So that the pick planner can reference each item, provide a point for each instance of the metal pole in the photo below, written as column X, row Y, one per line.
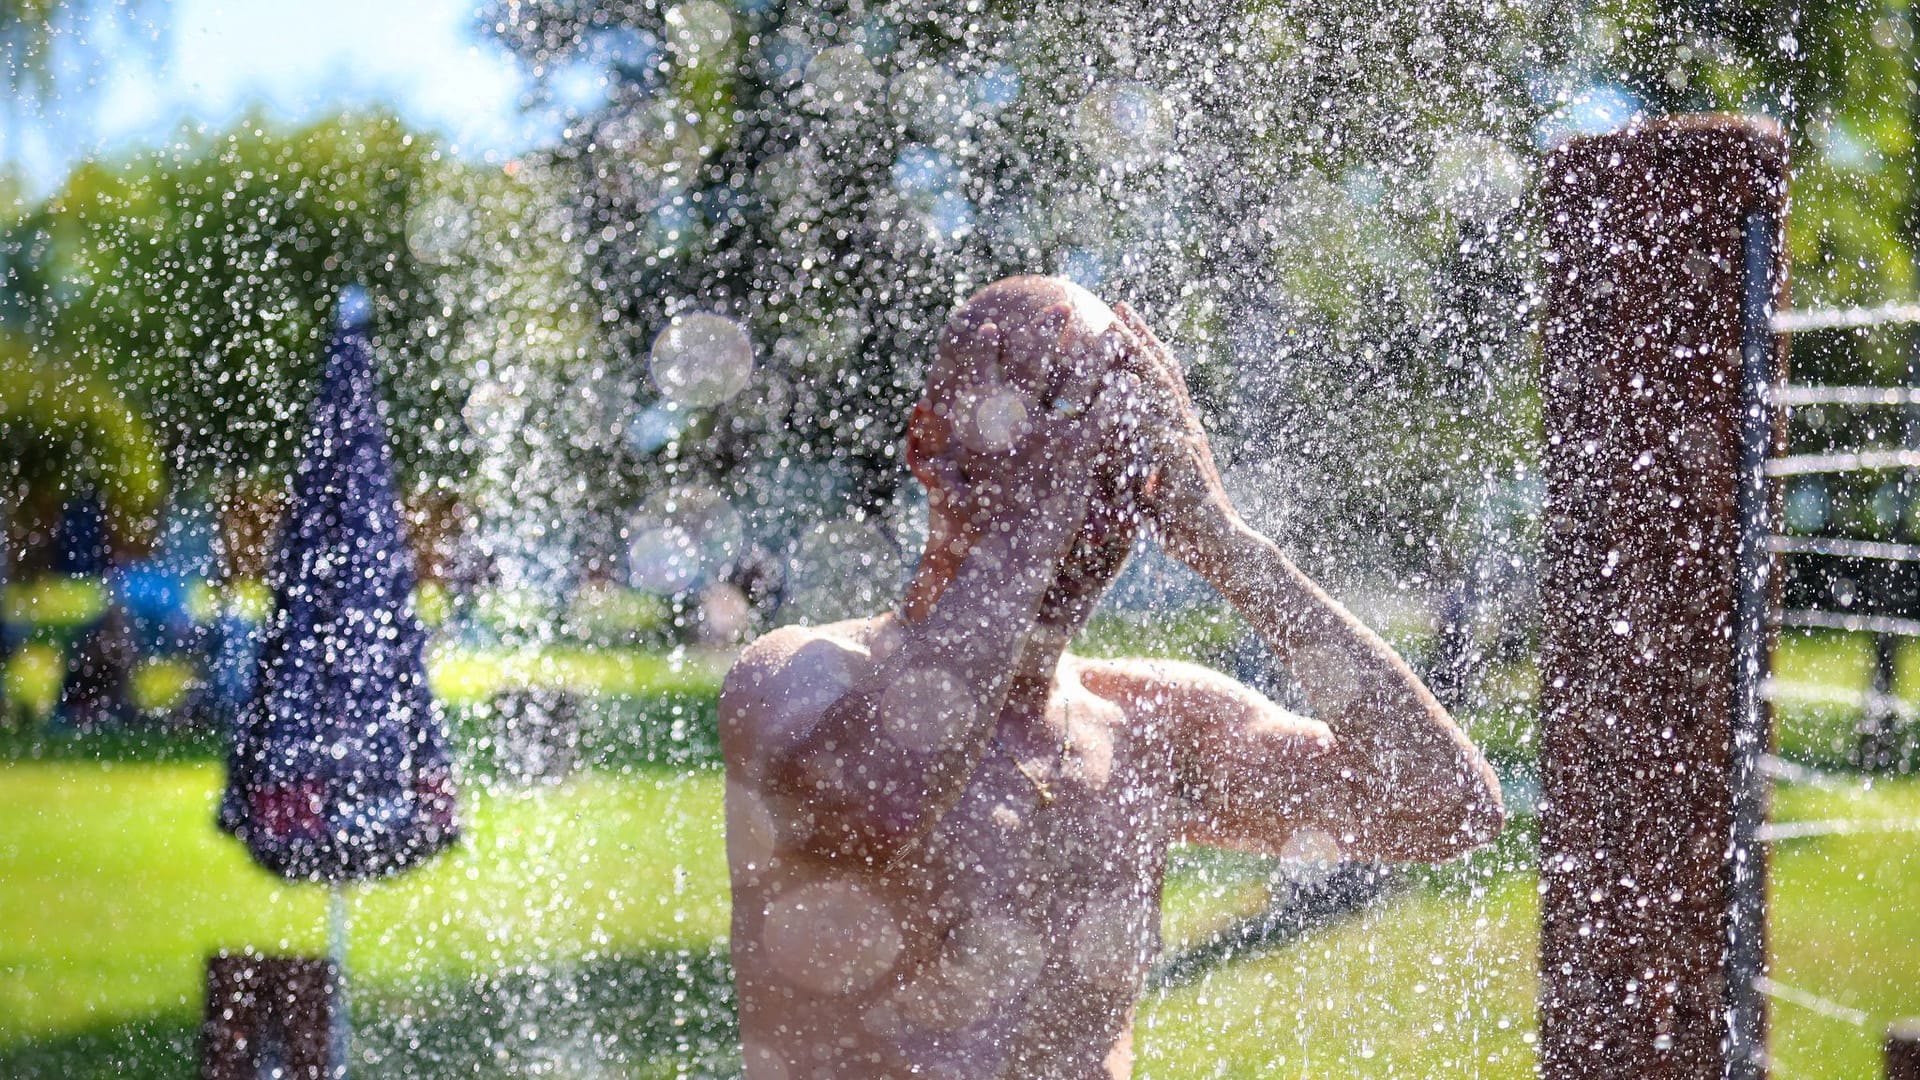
column 340, row 1033
column 1746, row 881
column 1878, row 726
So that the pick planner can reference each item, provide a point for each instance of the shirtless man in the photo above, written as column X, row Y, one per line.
column 946, row 833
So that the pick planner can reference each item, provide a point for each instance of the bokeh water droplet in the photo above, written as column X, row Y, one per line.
column 701, row 360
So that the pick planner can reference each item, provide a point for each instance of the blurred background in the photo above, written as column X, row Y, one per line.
column 652, row 289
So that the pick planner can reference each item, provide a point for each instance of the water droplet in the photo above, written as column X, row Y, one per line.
column 701, row 360
column 682, row 537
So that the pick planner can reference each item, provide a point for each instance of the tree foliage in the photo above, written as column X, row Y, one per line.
column 200, row 279
column 1839, row 74
column 62, row 432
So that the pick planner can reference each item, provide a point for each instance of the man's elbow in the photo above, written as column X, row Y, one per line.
column 1441, row 829
column 1477, row 817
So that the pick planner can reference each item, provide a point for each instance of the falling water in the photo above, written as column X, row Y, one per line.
column 648, row 365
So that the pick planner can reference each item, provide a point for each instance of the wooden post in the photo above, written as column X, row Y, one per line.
column 1903, row 1050
column 269, row 1016
column 1654, row 596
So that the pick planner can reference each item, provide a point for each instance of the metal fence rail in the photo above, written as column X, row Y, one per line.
column 1794, row 396
column 1845, row 318
column 1891, row 614
column 1810, row 619
column 1900, row 458
column 1885, row 714
column 1843, row 462
column 1842, row 548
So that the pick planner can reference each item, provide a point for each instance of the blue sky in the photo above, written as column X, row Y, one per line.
column 207, row 61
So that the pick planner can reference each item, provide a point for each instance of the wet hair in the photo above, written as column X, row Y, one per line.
column 1016, row 306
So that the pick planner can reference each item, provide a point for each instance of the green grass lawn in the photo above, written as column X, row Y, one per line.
column 586, row 923
column 1819, row 675
column 580, row 929
column 1430, row 985
column 1845, row 926
column 114, row 885
column 1442, row 983
column 460, row 676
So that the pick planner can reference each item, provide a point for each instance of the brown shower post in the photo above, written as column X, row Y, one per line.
column 1657, row 353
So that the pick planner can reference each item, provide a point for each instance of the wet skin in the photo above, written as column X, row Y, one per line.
column 947, row 835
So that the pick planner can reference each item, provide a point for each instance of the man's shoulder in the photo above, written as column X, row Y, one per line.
column 788, row 648
column 787, row 677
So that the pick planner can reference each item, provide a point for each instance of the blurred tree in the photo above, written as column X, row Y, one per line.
column 199, row 279
column 64, row 434
column 1840, row 74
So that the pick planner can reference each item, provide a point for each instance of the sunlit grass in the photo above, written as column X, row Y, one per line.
column 1199, row 633
column 458, row 675
column 1430, row 985
column 32, row 680
column 1207, row 889
column 1845, row 927
column 1443, row 983
column 54, row 600
column 1820, row 675
column 466, row 676
column 114, row 886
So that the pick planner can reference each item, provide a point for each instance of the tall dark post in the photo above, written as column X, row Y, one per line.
column 1903, row 1050
column 1657, row 357
column 269, row 1016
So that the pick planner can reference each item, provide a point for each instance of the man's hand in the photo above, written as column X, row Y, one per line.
column 1181, row 494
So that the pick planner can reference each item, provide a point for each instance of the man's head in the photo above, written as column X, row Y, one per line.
column 1047, row 330
column 1032, row 316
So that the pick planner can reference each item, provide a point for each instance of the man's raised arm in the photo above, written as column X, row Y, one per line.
column 1421, row 789
column 1423, row 792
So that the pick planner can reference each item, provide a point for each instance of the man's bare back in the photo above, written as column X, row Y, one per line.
column 947, row 835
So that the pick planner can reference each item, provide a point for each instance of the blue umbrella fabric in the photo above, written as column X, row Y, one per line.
column 339, row 767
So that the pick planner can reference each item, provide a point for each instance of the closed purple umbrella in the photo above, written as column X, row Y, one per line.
column 339, row 768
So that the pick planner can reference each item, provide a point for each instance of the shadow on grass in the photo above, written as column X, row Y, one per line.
column 665, row 1014
column 136, row 741
column 616, row 731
